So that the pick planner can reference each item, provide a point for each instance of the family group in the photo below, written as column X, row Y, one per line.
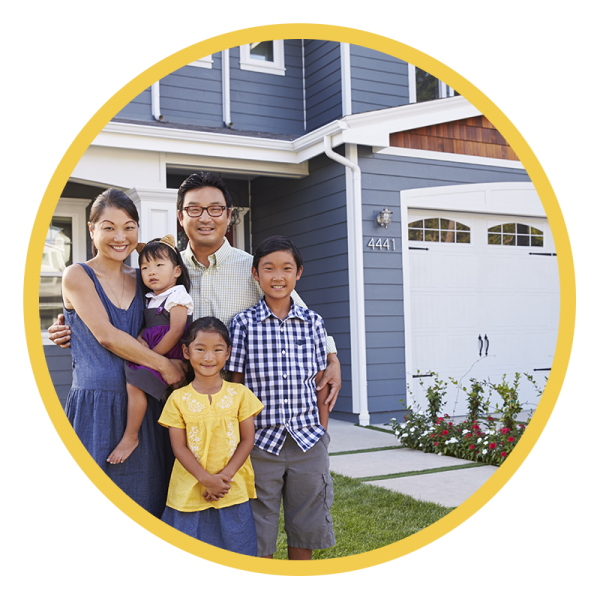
column 202, row 384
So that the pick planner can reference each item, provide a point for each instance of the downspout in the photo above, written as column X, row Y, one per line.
column 226, row 88
column 358, row 341
column 155, row 93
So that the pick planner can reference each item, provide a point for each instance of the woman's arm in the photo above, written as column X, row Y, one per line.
column 176, row 328
column 79, row 291
column 216, row 485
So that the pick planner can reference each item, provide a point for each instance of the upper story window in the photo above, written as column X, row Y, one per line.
column 439, row 230
column 204, row 63
column 515, row 234
column 422, row 86
column 263, row 57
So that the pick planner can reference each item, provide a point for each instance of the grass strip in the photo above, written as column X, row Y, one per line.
column 423, row 472
column 366, row 517
column 364, row 450
column 374, row 428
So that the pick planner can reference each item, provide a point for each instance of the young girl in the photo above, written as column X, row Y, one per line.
column 168, row 311
column 211, row 427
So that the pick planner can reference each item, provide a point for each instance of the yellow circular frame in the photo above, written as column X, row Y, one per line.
column 337, row 34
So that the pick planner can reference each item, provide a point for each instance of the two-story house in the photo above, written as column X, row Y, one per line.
column 426, row 247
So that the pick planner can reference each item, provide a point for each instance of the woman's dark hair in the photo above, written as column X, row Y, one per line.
column 201, row 180
column 112, row 198
column 275, row 243
column 156, row 249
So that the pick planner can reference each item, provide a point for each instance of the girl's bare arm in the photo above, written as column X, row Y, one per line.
column 176, row 328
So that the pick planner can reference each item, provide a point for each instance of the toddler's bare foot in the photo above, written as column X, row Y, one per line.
column 125, row 447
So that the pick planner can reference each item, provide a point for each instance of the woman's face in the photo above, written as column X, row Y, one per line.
column 115, row 234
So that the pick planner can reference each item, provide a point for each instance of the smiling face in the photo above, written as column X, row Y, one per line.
column 205, row 233
column 277, row 274
column 115, row 234
column 159, row 273
column 207, row 353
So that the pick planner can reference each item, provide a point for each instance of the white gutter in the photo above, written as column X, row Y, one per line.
column 358, row 341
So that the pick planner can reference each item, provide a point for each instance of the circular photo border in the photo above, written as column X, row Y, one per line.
column 374, row 42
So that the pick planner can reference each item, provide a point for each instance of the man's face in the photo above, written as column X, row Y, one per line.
column 205, row 232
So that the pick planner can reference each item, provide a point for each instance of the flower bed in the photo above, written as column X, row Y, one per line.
column 480, row 442
column 478, row 437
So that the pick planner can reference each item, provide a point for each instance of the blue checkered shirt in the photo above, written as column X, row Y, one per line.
column 280, row 360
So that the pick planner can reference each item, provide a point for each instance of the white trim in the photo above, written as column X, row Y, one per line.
column 450, row 157
column 356, row 282
column 73, row 208
column 204, row 63
column 369, row 129
column 225, row 66
column 276, row 67
column 238, row 229
column 412, row 84
column 346, row 79
column 155, row 93
column 303, row 86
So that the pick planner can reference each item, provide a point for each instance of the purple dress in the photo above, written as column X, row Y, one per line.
column 157, row 322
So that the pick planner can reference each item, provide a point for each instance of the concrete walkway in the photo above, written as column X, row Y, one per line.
column 384, row 457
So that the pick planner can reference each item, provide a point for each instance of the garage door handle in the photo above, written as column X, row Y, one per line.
column 485, row 337
column 480, row 344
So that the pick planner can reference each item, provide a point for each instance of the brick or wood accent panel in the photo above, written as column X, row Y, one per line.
column 474, row 136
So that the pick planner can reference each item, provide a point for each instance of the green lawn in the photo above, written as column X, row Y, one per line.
column 366, row 517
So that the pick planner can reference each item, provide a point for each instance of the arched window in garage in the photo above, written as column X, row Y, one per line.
column 515, row 234
column 439, row 230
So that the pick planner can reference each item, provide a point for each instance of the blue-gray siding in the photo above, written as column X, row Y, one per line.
column 60, row 367
column 383, row 178
column 139, row 109
column 322, row 68
column 312, row 212
column 377, row 80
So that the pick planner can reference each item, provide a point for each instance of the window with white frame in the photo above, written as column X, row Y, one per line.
column 64, row 245
column 263, row 57
column 422, row 86
column 204, row 63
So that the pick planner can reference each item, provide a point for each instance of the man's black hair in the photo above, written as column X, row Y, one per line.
column 201, row 180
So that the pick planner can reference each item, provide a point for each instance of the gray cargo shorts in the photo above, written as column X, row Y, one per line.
column 304, row 481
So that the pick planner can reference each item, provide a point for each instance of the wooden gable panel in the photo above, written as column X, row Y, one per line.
column 474, row 136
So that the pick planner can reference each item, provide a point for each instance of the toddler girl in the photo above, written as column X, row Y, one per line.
column 168, row 311
column 211, row 427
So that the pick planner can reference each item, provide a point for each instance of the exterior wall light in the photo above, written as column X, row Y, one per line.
column 384, row 218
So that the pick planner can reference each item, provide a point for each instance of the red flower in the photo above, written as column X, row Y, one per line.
column 511, row 439
column 432, row 435
column 436, row 443
column 472, row 446
column 490, row 418
column 503, row 453
column 492, row 445
column 522, row 426
column 440, row 419
column 445, row 432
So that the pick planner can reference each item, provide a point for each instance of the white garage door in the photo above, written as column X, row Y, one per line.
column 484, row 300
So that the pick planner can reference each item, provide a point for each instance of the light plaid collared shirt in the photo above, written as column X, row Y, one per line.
column 280, row 360
column 226, row 287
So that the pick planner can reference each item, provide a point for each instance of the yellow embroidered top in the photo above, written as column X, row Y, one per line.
column 213, row 434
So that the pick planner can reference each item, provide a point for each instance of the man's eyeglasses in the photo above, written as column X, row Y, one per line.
column 196, row 211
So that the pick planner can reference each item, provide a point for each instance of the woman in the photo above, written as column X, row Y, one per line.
column 104, row 304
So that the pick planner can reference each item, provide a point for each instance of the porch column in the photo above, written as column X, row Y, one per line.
column 158, row 213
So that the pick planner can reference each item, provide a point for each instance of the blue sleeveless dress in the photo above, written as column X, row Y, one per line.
column 97, row 406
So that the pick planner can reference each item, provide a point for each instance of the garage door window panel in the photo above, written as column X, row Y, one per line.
column 439, row 230
column 515, row 234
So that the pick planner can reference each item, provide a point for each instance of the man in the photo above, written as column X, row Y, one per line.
column 222, row 282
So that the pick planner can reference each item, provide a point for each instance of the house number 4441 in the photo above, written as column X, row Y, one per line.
column 381, row 244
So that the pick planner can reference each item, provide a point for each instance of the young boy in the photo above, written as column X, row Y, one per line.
column 279, row 352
